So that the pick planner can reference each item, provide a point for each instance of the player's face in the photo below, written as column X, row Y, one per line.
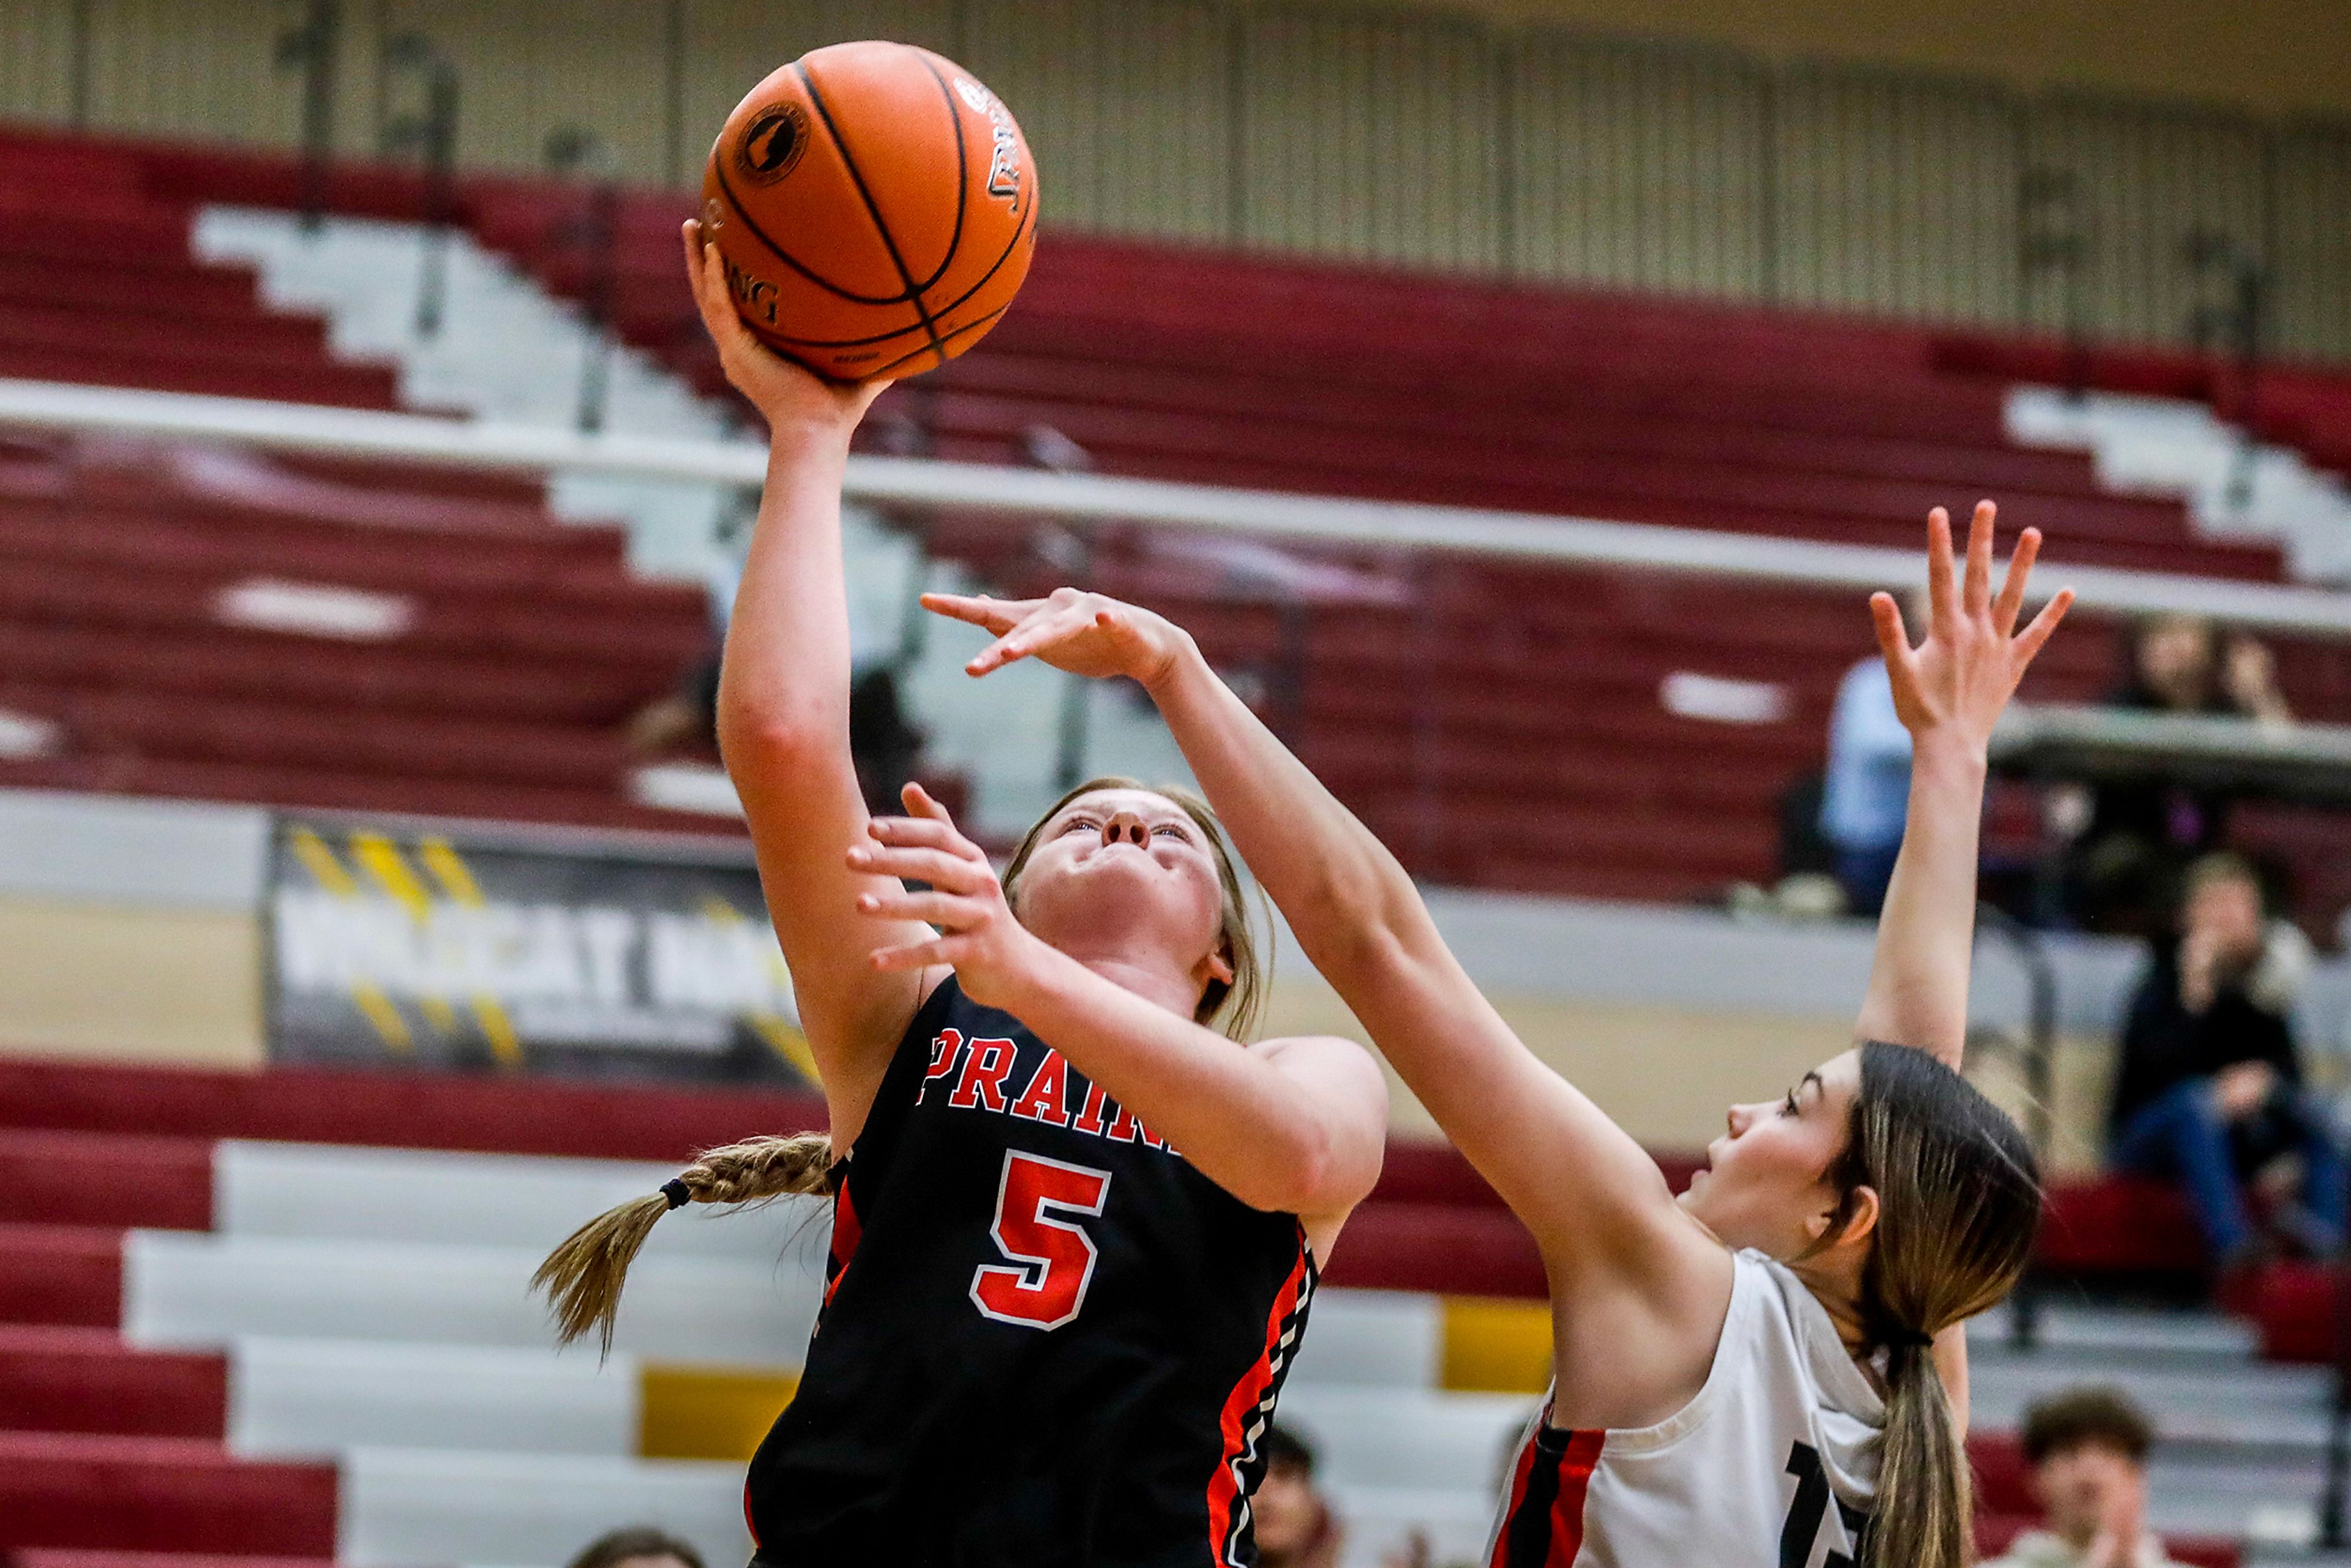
column 1765, row 1183
column 1120, row 865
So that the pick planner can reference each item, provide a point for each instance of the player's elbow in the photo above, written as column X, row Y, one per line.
column 775, row 734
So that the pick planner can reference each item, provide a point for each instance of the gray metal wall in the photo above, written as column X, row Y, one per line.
column 1423, row 140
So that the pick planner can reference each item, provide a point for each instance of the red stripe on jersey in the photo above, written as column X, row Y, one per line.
column 1542, row 1524
column 1575, row 1467
column 845, row 1233
column 1240, row 1404
column 748, row 1523
column 1520, row 1473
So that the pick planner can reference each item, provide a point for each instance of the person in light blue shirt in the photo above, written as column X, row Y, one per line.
column 1867, row 790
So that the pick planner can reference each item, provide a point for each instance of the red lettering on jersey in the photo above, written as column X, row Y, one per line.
column 1126, row 1127
column 944, row 1052
column 983, row 1075
column 1047, row 1097
column 1089, row 1115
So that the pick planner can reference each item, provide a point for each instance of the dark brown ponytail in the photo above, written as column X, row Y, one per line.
column 1958, row 1202
column 582, row 1278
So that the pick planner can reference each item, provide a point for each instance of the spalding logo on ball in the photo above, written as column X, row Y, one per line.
column 875, row 208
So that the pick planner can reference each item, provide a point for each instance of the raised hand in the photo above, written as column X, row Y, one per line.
column 1958, row 680
column 781, row 391
column 1084, row 634
column 991, row 952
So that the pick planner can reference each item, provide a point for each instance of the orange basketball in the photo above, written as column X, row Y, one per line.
column 875, row 208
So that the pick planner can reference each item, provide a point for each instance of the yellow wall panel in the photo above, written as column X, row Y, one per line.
column 708, row 1412
column 1495, row 1346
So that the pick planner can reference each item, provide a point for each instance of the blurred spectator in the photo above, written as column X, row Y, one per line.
column 2209, row 1090
column 2087, row 1448
column 1867, row 790
column 638, row 1546
column 886, row 747
column 2141, row 833
column 1295, row 1528
column 884, row 743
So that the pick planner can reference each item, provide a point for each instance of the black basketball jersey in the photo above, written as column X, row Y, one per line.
column 1046, row 1338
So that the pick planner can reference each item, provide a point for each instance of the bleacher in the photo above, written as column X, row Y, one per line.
column 1501, row 726
column 182, row 621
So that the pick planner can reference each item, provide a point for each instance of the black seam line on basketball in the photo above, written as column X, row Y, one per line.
column 963, row 173
column 789, row 259
column 872, row 209
column 993, row 268
column 940, row 348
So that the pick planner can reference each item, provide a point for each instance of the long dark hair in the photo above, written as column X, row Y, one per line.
column 1959, row 1205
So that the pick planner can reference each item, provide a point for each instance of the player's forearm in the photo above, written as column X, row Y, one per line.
column 1248, row 1127
column 784, row 680
column 1343, row 894
column 1926, row 936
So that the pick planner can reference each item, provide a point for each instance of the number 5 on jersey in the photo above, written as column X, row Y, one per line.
column 1052, row 1260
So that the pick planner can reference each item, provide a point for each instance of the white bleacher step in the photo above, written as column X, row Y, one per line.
column 204, row 1291
column 313, row 1398
column 404, row 1506
column 2063, row 1327
column 334, row 1192
column 1416, row 1437
column 1380, row 1520
column 2172, row 446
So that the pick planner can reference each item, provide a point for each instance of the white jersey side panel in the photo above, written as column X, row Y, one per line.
column 1777, row 1450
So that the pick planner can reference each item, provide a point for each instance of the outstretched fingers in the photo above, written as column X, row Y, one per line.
column 2028, row 642
column 2011, row 587
column 997, row 615
column 1942, row 590
column 1041, row 629
column 1976, row 591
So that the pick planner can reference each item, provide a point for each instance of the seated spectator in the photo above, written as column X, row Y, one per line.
column 1295, row 1528
column 2209, row 1090
column 2140, row 834
column 2087, row 1448
column 1866, row 793
column 638, row 1546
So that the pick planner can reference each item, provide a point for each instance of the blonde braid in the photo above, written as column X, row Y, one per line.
column 582, row 1278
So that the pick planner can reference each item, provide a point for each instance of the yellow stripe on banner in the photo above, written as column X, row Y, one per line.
column 386, row 1018
column 449, row 870
column 1497, row 1346
column 506, row 1046
column 382, row 859
column 708, row 1412
column 787, row 1042
column 320, row 863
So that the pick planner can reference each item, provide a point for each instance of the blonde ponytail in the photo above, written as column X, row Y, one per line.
column 582, row 1278
column 1926, row 1510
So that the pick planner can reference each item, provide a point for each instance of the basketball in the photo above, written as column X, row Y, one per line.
column 875, row 208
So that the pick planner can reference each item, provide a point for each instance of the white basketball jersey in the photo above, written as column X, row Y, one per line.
column 1773, row 1464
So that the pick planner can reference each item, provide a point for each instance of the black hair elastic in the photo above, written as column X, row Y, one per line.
column 1911, row 1338
column 677, row 1192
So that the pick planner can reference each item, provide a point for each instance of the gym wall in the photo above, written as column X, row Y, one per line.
column 1502, row 136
